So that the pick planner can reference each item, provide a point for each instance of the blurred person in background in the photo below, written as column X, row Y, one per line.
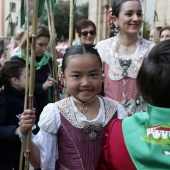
column 44, row 83
column 154, row 35
column 13, row 79
column 165, row 33
column 86, row 31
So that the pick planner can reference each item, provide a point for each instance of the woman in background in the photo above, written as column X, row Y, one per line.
column 43, row 67
column 123, row 54
column 86, row 31
column 165, row 33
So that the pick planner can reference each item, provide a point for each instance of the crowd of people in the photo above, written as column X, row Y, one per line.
column 115, row 113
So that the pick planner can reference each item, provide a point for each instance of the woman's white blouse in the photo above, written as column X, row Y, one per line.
column 49, row 124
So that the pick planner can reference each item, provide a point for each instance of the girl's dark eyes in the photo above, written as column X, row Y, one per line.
column 138, row 14
column 92, row 75
column 76, row 76
column 128, row 14
column 95, row 75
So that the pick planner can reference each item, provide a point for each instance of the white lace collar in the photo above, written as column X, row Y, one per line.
column 113, row 59
column 82, row 118
column 68, row 109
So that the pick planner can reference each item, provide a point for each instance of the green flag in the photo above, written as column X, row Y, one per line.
column 112, row 1
column 22, row 13
column 53, row 2
column 75, row 5
column 155, row 16
column 40, row 10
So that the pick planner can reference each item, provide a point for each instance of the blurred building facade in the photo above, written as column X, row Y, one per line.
column 9, row 16
column 98, row 14
column 163, row 13
column 10, row 10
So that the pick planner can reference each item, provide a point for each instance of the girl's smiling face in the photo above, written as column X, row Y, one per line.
column 83, row 76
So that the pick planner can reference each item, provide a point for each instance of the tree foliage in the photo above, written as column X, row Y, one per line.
column 146, row 30
column 61, row 17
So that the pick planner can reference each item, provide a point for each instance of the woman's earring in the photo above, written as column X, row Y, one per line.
column 103, row 76
column 116, row 30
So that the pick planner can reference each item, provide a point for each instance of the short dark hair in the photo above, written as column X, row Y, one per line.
column 84, row 23
column 116, row 6
column 153, row 78
column 79, row 49
column 9, row 70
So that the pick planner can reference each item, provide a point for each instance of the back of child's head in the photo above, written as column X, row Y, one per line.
column 79, row 49
column 9, row 70
column 153, row 79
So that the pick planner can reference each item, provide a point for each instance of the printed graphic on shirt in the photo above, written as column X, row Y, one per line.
column 160, row 135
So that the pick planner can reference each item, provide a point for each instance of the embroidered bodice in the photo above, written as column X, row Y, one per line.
column 121, row 71
column 50, row 123
column 75, row 117
column 108, row 53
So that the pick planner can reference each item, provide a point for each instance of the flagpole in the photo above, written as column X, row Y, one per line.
column 144, row 16
column 32, row 78
column 155, row 13
column 27, row 75
column 56, row 96
column 71, row 23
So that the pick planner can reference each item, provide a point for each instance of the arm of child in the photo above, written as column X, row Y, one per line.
column 27, row 120
column 46, row 139
column 44, row 150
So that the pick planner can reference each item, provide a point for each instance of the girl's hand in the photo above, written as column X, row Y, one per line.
column 49, row 83
column 27, row 120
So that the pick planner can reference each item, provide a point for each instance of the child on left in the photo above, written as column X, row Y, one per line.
column 13, row 80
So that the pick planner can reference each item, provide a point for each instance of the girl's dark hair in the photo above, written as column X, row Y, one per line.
column 84, row 23
column 153, row 79
column 9, row 70
column 117, row 4
column 79, row 49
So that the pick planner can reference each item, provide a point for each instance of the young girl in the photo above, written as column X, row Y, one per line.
column 150, row 147
column 13, row 78
column 71, row 130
